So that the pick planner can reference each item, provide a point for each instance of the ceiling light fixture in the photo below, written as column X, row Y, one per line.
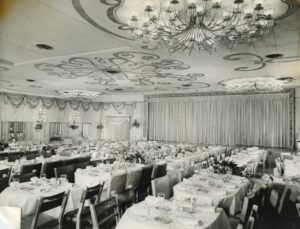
column 253, row 84
column 79, row 94
column 199, row 24
column 44, row 46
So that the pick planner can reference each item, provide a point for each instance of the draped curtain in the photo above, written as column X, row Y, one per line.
column 55, row 129
column 261, row 119
column 118, row 128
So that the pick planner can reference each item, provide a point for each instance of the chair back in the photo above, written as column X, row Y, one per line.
column 25, row 177
column 250, row 223
column 30, row 168
column 145, row 182
column 49, row 166
column 67, row 170
column 84, row 159
column 254, row 212
column 159, row 171
column 71, row 161
column 175, row 178
column 298, row 209
column 46, row 154
column 3, row 156
column 93, row 193
column 105, row 213
column 117, row 184
column 133, row 179
column 12, row 157
column 80, row 165
column 4, row 179
column 31, row 155
column 161, row 184
column 51, row 202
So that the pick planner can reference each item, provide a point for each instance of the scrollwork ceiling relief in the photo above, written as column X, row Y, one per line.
column 257, row 61
column 133, row 69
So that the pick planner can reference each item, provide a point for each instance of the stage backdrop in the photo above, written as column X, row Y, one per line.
column 253, row 119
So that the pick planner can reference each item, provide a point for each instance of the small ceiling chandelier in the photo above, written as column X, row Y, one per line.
column 200, row 24
column 79, row 94
column 253, row 84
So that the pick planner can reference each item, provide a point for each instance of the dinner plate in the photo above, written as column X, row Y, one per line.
column 163, row 208
column 164, row 220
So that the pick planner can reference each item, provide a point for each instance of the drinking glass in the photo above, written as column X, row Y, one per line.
column 64, row 178
column 161, row 195
column 43, row 176
column 15, row 179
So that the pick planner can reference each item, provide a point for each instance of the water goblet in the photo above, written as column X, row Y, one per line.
column 161, row 195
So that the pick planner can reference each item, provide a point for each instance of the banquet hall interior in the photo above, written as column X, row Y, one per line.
column 150, row 114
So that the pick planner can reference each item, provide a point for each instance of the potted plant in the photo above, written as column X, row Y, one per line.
column 136, row 124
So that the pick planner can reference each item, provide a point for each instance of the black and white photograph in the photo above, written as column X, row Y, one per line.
column 149, row 114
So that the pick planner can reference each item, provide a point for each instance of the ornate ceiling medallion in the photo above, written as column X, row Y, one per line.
column 79, row 94
column 254, row 84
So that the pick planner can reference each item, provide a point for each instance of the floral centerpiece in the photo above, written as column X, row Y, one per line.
column 73, row 125
column 136, row 124
column 38, row 126
column 100, row 126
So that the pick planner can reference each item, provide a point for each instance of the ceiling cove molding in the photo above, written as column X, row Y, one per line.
column 110, row 13
column 257, row 61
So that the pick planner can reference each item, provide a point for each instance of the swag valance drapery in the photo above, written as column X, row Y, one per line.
column 247, row 119
column 17, row 100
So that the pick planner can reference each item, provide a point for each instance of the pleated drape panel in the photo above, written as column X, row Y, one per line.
column 118, row 128
column 261, row 119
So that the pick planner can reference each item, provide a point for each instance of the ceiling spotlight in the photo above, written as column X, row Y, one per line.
column 44, row 46
column 274, row 55
column 30, row 80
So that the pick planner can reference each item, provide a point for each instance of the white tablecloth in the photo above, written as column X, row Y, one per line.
column 26, row 196
column 292, row 168
column 226, row 191
column 166, row 215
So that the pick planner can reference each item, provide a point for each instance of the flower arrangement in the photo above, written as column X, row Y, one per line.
column 100, row 126
column 74, row 125
column 38, row 125
column 136, row 124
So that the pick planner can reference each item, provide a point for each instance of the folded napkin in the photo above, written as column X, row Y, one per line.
column 35, row 179
column 186, row 219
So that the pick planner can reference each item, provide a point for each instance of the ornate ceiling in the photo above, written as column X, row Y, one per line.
column 92, row 52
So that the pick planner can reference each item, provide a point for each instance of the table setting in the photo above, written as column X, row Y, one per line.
column 208, row 189
column 26, row 195
column 157, row 212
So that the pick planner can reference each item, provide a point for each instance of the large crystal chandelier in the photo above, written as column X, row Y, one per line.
column 200, row 24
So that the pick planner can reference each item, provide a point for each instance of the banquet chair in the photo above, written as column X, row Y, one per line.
column 90, row 195
column 144, row 188
column 105, row 214
column 43, row 221
column 162, row 185
column 249, row 225
column 132, row 184
column 4, row 178
column 49, row 166
column 80, row 165
column 30, row 168
column 31, row 155
column 117, row 187
column 67, row 170
column 159, row 170
column 46, row 154
column 298, row 209
column 241, row 217
column 3, row 156
column 175, row 178
column 25, row 177
column 71, row 161
column 84, row 159
column 12, row 157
